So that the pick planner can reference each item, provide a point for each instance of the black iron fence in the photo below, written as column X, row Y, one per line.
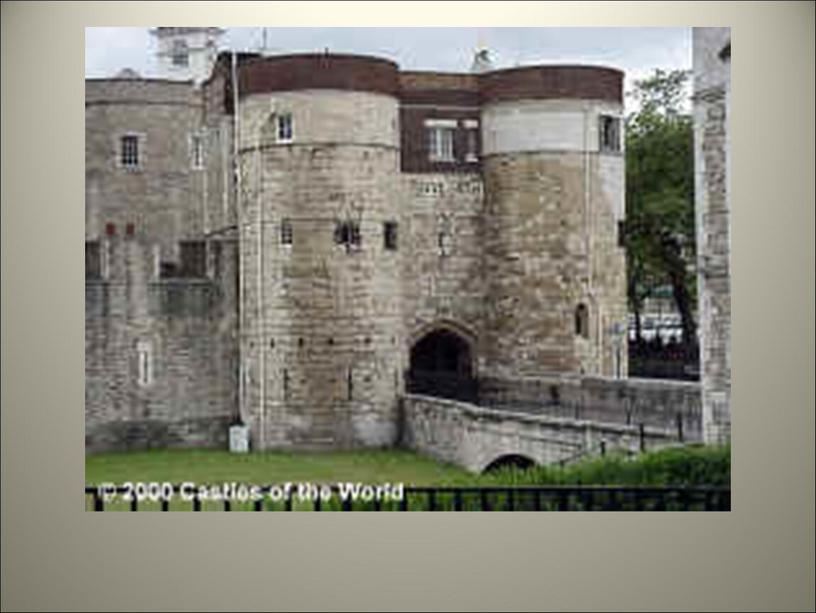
column 332, row 498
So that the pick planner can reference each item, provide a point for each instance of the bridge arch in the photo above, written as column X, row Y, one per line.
column 442, row 361
column 510, row 460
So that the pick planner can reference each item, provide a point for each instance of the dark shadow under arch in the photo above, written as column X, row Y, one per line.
column 510, row 460
column 442, row 365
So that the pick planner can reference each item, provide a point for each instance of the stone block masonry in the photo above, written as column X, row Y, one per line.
column 282, row 258
column 712, row 90
column 475, row 437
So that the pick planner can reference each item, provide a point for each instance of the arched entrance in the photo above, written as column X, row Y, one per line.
column 441, row 365
column 510, row 461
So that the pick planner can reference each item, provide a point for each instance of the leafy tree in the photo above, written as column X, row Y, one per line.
column 659, row 228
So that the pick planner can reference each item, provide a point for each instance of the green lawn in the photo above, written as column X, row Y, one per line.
column 211, row 466
column 693, row 465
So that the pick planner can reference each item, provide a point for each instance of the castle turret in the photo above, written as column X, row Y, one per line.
column 186, row 53
column 553, row 171
column 321, row 330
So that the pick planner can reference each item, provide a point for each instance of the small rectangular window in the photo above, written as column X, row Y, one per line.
column 472, row 153
column 582, row 321
column 285, row 128
column 440, row 144
column 348, row 233
column 193, row 259
column 197, row 151
column 93, row 260
column 180, row 56
column 286, row 233
column 390, row 235
column 144, row 356
column 129, row 151
column 609, row 132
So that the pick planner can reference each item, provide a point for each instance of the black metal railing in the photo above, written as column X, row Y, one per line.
column 511, row 498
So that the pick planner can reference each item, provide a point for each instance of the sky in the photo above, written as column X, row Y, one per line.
column 636, row 51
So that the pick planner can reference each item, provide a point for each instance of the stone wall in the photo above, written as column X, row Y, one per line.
column 163, row 196
column 160, row 355
column 711, row 101
column 322, row 330
column 552, row 202
column 442, row 259
column 500, row 250
column 473, row 437
column 653, row 402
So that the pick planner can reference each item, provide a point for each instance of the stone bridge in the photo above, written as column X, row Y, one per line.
column 478, row 438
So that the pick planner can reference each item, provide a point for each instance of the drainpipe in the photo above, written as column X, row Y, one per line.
column 260, row 293
column 588, row 240
column 240, row 219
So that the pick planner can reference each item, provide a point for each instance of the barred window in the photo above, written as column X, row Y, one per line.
column 347, row 233
column 129, row 151
column 286, row 233
column 390, row 235
column 285, row 131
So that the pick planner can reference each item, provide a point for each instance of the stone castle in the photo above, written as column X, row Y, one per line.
column 293, row 241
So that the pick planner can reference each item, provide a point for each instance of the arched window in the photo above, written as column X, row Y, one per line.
column 582, row 321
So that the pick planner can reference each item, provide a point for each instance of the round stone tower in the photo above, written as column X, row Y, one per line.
column 320, row 300
column 554, row 188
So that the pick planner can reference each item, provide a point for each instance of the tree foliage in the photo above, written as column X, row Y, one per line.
column 659, row 229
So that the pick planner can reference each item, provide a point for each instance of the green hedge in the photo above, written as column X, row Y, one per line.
column 690, row 465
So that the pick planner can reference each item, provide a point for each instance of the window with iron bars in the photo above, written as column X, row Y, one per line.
column 129, row 151
column 347, row 233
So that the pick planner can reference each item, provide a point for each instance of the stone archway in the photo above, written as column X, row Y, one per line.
column 442, row 366
column 510, row 460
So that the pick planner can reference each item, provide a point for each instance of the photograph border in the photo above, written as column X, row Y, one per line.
column 760, row 556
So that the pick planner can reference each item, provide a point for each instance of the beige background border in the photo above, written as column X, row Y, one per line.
column 758, row 557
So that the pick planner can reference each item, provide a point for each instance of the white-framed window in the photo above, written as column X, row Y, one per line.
column 144, row 357
column 471, row 127
column 197, row 143
column 180, row 55
column 440, row 139
column 285, row 132
column 130, row 151
column 472, row 153
column 609, row 132
column 440, row 144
